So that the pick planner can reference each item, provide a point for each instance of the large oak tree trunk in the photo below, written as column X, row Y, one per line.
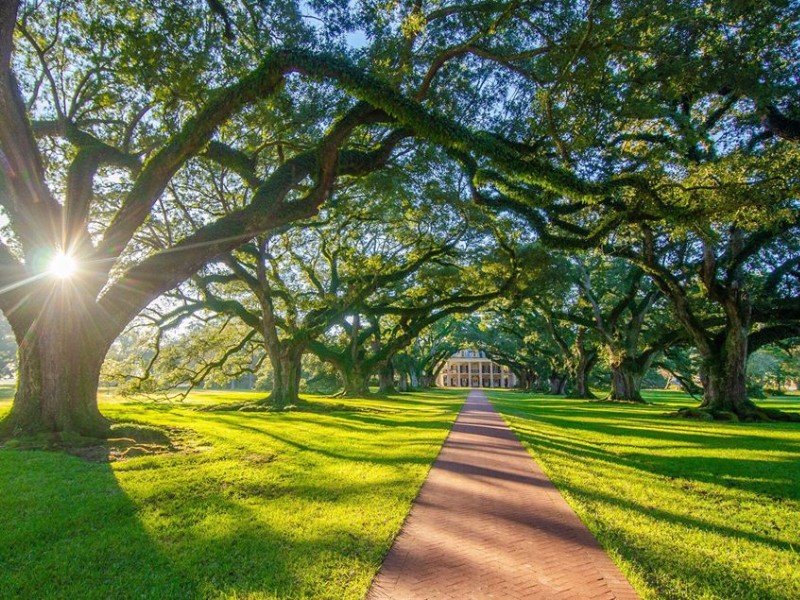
column 61, row 351
column 526, row 379
column 558, row 384
column 427, row 379
column 355, row 381
column 625, row 385
column 626, row 382
column 386, row 378
column 725, row 381
column 403, row 383
column 286, row 377
column 417, row 381
column 581, row 389
column 583, row 369
column 627, row 373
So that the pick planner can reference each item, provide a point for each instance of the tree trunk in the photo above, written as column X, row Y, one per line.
column 524, row 380
column 723, row 371
column 386, row 378
column 355, row 382
column 286, row 372
column 725, row 368
column 725, row 389
column 403, row 384
column 581, row 389
column 415, row 379
column 704, row 375
column 427, row 380
column 558, row 384
column 534, row 380
column 627, row 372
column 625, row 385
column 60, row 356
column 626, row 382
column 583, row 369
column 583, row 359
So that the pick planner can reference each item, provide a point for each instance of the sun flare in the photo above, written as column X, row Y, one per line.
column 62, row 266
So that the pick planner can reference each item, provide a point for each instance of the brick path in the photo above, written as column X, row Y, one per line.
column 488, row 523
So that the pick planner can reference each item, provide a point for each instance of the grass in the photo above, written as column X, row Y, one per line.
column 277, row 505
column 305, row 504
column 693, row 510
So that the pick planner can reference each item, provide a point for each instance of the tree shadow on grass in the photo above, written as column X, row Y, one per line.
column 569, row 450
column 640, row 438
column 67, row 530
column 442, row 420
column 682, row 575
column 691, row 572
column 773, row 477
column 325, row 546
column 322, row 447
column 270, row 540
column 426, row 418
column 696, row 434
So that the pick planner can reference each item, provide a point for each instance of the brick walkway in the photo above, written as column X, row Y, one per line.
column 488, row 523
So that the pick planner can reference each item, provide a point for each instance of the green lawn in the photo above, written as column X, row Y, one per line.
column 689, row 509
column 279, row 505
column 304, row 504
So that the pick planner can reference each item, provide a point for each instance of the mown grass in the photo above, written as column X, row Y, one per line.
column 691, row 510
column 278, row 505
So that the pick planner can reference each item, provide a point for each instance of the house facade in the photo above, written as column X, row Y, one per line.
column 471, row 368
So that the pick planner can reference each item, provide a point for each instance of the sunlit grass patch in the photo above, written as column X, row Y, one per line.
column 7, row 391
column 690, row 509
column 278, row 505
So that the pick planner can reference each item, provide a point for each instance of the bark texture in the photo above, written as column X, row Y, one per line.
column 581, row 389
column 558, row 383
column 626, row 380
column 286, row 376
column 386, row 378
column 355, row 381
column 60, row 355
column 725, row 381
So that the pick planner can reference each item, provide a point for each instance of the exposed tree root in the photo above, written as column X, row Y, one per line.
column 586, row 396
column 613, row 400
column 349, row 394
column 10, row 428
column 261, row 405
column 125, row 441
column 265, row 405
column 751, row 415
column 773, row 414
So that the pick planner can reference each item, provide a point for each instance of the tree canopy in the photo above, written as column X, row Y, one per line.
column 151, row 141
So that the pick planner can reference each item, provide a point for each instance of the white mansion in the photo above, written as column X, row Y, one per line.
column 471, row 368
